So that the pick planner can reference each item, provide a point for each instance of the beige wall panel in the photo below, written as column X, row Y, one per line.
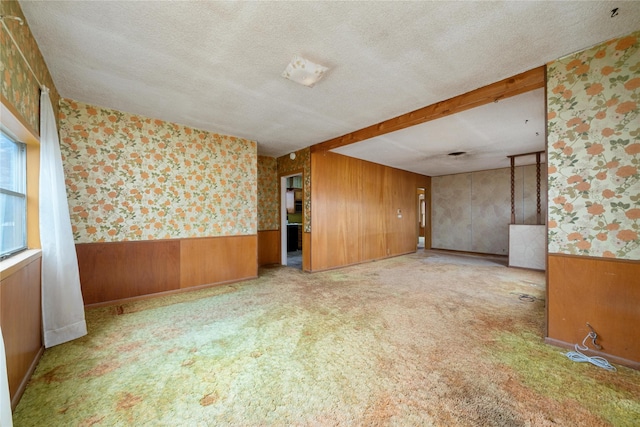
column 451, row 209
column 491, row 211
column 472, row 211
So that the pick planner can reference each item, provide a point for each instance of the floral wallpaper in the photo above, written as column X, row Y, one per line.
column 301, row 162
column 135, row 178
column 594, row 151
column 472, row 211
column 268, row 203
column 19, row 87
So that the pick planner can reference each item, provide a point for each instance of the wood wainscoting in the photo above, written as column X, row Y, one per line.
column 268, row 247
column 361, row 211
column 217, row 260
column 120, row 270
column 601, row 291
column 21, row 322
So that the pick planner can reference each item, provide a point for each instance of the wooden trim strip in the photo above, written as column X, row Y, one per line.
column 18, row 261
column 12, row 118
column 481, row 254
column 165, row 293
column 516, row 85
column 166, row 240
column 25, row 380
column 593, row 258
column 366, row 261
column 525, row 154
column 613, row 358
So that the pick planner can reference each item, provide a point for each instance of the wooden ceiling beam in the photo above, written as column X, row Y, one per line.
column 512, row 86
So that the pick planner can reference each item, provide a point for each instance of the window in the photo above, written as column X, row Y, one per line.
column 13, row 198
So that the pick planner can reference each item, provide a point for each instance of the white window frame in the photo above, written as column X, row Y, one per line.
column 22, row 193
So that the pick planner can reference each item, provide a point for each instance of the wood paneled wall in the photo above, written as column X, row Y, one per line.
column 605, row 293
column 21, row 322
column 268, row 247
column 119, row 270
column 355, row 206
column 217, row 260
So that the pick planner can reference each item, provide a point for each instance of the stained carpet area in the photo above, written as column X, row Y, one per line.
column 422, row 339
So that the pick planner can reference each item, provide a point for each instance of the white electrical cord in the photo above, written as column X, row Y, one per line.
column 578, row 356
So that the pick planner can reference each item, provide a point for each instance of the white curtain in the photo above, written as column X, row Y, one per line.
column 5, row 399
column 62, row 304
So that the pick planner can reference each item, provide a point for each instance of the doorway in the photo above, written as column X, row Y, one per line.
column 291, row 220
column 422, row 217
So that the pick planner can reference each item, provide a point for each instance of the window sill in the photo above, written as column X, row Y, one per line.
column 15, row 263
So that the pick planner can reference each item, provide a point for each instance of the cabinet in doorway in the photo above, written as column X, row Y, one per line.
column 292, row 237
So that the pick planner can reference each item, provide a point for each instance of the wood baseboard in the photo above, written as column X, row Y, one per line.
column 525, row 268
column 610, row 357
column 337, row 267
column 25, row 380
column 165, row 293
column 482, row 254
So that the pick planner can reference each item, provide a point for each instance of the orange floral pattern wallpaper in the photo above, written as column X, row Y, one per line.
column 302, row 162
column 136, row 178
column 268, row 218
column 594, row 151
column 19, row 86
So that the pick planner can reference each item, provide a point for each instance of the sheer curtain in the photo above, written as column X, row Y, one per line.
column 62, row 304
column 5, row 399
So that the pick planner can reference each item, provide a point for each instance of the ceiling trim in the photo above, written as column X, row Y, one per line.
column 512, row 86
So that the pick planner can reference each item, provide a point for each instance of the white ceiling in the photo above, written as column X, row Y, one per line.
column 217, row 65
column 486, row 134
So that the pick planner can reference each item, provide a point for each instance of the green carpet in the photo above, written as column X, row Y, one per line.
column 424, row 339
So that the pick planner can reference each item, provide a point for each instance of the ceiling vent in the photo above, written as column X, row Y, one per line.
column 303, row 71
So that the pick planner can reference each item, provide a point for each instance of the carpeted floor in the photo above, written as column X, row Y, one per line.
column 423, row 339
column 294, row 259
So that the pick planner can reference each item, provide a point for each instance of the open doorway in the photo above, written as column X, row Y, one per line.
column 291, row 220
column 422, row 217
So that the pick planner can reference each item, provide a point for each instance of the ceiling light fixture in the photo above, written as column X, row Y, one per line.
column 303, row 71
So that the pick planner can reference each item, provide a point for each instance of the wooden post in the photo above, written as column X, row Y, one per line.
column 539, row 213
column 513, row 189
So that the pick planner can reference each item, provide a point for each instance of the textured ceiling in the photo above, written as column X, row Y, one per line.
column 486, row 134
column 217, row 65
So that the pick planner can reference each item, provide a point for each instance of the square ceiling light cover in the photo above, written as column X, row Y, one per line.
column 303, row 71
